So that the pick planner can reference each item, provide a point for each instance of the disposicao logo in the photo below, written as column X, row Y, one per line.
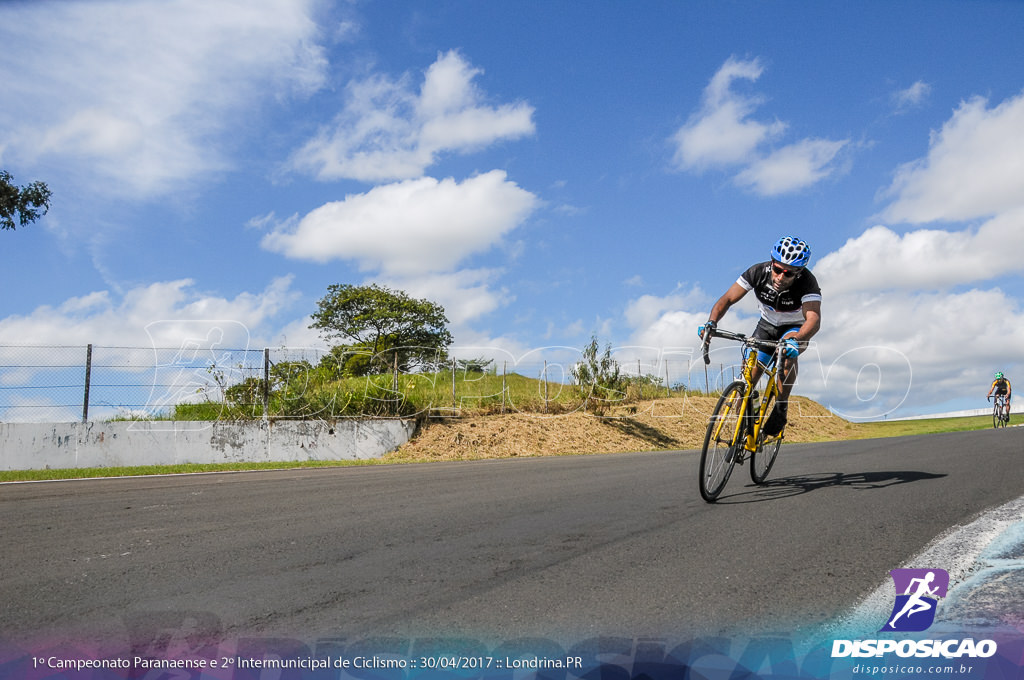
column 917, row 597
column 918, row 592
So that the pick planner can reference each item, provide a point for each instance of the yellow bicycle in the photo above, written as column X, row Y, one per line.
column 736, row 428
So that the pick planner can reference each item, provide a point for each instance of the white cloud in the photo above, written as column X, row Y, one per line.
column 647, row 311
column 722, row 134
column 466, row 295
column 791, row 168
column 876, row 352
column 912, row 97
column 134, row 98
column 974, row 167
column 878, row 348
column 387, row 131
column 163, row 314
column 926, row 259
column 409, row 228
column 892, row 312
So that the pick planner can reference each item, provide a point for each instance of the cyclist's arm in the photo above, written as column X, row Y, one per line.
column 731, row 297
column 812, row 321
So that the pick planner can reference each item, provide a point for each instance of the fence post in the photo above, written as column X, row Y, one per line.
column 88, row 379
column 266, row 382
column 545, row 386
column 455, row 406
column 504, row 372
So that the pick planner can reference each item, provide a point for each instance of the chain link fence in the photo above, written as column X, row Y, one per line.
column 55, row 383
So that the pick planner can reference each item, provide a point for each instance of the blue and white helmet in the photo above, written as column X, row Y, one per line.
column 791, row 251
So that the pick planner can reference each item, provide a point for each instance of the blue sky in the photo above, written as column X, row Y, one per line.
column 545, row 170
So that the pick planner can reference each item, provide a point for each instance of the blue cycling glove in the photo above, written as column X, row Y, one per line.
column 791, row 349
column 704, row 327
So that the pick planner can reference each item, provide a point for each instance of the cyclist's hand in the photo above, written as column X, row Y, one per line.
column 790, row 348
column 703, row 329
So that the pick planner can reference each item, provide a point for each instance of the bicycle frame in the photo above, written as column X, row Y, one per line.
column 735, row 433
column 750, row 364
column 999, row 415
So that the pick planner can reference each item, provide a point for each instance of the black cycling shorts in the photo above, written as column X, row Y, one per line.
column 771, row 333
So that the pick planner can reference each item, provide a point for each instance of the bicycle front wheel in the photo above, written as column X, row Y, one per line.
column 721, row 441
column 996, row 418
column 767, row 451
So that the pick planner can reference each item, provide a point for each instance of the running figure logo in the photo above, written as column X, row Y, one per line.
column 917, row 597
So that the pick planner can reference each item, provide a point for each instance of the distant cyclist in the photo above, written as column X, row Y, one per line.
column 790, row 302
column 1001, row 386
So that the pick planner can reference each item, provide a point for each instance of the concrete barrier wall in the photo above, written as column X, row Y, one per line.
column 38, row 446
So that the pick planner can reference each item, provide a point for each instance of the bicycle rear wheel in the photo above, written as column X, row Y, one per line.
column 764, row 457
column 720, row 442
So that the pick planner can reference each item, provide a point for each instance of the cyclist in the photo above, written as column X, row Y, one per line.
column 790, row 301
column 1001, row 386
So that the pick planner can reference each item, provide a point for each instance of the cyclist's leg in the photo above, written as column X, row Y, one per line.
column 787, row 378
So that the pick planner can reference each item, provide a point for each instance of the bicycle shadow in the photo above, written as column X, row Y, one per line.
column 784, row 487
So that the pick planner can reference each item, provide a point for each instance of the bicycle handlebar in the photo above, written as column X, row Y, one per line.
column 765, row 345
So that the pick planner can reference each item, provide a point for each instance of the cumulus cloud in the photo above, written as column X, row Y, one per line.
column 723, row 134
column 791, row 168
column 927, row 259
column 413, row 227
column 388, row 131
column 974, row 167
column 466, row 295
column 134, row 98
column 918, row 313
column 881, row 349
column 163, row 314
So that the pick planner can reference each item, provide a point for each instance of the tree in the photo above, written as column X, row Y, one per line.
column 474, row 365
column 27, row 204
column 599, row 375
column 384, row 322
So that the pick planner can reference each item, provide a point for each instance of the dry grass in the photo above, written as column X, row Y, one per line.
column 659, row 425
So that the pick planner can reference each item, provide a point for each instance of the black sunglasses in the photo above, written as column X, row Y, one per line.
column 788, row 273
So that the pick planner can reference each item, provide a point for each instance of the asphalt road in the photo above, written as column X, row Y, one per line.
column 559, row 548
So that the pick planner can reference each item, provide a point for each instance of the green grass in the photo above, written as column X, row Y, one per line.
column 904, row 428
column 314, row 394
column 188, row 468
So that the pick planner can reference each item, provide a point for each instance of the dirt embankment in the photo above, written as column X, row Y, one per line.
column 648, row 426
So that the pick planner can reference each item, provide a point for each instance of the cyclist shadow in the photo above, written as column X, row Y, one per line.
column 783, row 487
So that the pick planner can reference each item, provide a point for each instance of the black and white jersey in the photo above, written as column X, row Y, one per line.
column 783, row 308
